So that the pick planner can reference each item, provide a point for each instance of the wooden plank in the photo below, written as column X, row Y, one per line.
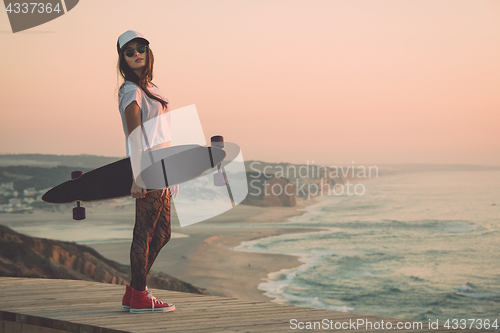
column 235, row 320
column 148, row 317
column 61, row 325
column 39, row 281
column 92, row 297
column 111, row 305
column 83, row 311
column 34, row 284
column 178, row 319
column 83, row 306
column 58, row 285
column 241, row 323
column 13, row 327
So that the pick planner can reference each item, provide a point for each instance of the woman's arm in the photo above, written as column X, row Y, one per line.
column 133, row 117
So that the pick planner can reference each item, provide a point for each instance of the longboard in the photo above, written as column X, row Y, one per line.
column 115, row 180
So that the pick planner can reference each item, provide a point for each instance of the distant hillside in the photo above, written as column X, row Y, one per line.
column 41, row 172
column 36, row 177
column 93, row 161
column 24, row 256
column 39, row 160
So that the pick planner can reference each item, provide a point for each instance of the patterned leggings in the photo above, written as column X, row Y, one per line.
column 151, row 233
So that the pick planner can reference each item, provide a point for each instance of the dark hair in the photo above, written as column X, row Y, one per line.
column 146, row 76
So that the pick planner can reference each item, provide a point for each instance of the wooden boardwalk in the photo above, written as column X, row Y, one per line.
column 56, row 306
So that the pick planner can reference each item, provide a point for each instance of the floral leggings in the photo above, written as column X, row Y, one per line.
column 151, row 233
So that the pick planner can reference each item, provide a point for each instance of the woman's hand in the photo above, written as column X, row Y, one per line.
column 174, row 190
column 136, row 191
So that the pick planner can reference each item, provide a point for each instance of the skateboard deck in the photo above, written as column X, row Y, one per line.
column 114, row 180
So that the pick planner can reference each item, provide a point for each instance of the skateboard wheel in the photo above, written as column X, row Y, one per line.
column 79, row 213
column 217, row 141
column 219, row 179
column 76, row 174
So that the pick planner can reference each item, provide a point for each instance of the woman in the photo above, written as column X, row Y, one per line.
column 140, row 100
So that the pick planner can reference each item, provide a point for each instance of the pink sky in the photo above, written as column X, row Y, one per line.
column 289, row 81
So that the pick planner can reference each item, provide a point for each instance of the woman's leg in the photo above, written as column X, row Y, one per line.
column 162, row 231
column 148, row 209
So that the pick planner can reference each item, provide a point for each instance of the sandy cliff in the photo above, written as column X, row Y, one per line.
column 24, row 256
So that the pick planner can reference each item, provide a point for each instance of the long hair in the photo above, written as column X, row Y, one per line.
column 146, row 76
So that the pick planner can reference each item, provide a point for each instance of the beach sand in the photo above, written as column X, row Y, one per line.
column 205, row 258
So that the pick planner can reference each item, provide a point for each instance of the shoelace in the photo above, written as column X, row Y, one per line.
column 153, row 300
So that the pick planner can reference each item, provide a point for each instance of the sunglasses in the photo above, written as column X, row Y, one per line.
column 131, row 52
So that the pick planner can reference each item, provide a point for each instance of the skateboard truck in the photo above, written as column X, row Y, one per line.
column 219, row 177
column 78, row 211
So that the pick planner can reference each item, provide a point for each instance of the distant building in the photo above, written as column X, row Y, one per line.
column 42, row 192
column 29, row 192
column 15, row 202
column 29, row 200
column 8, row 186
column 6, row 209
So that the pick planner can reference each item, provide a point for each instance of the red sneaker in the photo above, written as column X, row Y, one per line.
column 127, row 297
column 144, row 301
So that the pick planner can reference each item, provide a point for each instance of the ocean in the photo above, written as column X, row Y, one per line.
column 420, row 246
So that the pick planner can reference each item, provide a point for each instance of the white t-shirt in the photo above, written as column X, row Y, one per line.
column 158, row 128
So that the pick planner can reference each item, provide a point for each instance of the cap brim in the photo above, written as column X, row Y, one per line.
column 138, row 38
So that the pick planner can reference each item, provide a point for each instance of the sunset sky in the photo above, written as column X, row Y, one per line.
column 289, row 81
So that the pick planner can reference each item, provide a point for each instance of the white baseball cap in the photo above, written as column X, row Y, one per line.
column 127, row 36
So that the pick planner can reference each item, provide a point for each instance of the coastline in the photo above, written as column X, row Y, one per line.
column 206, row 258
